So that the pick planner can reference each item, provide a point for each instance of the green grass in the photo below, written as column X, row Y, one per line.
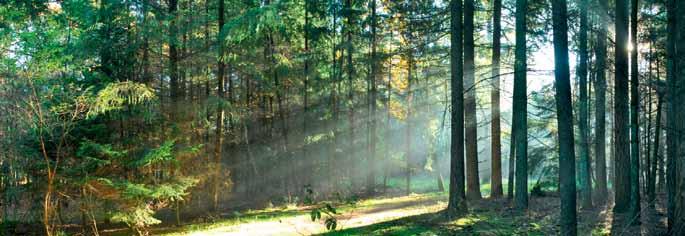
column 412, row 218
column 481, row 223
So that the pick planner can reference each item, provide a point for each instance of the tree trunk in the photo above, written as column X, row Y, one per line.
column 371, row 162
column 567, row 185
column 496, row 133
column 457, row 197
column 410, row 126
column 350, row 91
column 305, row 92
column 471, row 132
column 388, row 132
column 655, row 154
column 173, row 59
column 634, row 125
column 512, row 162
column 622, row 157
column 677, row 167
column 600, row 107
column 520, row 108
column 584, row 171
column 218, row 146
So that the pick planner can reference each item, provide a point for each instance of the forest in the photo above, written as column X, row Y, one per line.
column 342, row 117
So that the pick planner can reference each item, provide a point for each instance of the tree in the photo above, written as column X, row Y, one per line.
column 676, row 165
column 350, row 77
column 672, row 140
column 567, row 176
column 173, row 56
column 655, row 153
column 622, row 157
column 584, row 171
column 634, row 125
column 520, row 108
column 471, row 135
column 457, row 197
column 371, row 177
column 600, row 100
column 496, row 186
column 305, row 83
column 219, row 135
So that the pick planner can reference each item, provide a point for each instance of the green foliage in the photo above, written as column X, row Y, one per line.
column 134, row 200
column 116, row 95
column 326, row 209
column 162, row 154
column 253, row 24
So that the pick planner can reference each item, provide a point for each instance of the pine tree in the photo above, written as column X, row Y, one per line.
column 520, row 108
column 457, row 197
column 634, row 125
column 622, row 156
column 567, row 185
column 496, row 186
column 584, row 172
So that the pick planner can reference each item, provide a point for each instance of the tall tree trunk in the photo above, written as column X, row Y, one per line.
column 471, row 132
column 305, row 89
column 173, row 58
column 371, row 162
column 457, row 197
column 512, row 162
column 520, row 108
column 647, row 167
column 567, row 185
column 622, row 157
column 584, row 172
column 410, row 125
column 496, row 133
column 671, row 138
column 350, row 88
column 655, row 154
column 600, row 107
column 678, row 127
column 218, row 146
column 634, row 125
column 660, row 168
column 388, row 131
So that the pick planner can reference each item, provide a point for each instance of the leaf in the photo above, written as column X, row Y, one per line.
column 331, row 223
column 330, row 208
column 315, row 214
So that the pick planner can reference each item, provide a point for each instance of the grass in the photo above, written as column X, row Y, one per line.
column 415, row 214
column 369, row 211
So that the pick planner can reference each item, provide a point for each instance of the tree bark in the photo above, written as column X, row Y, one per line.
column 584, row 171
column 520, row 108
column 218, row 146
column 373, row 136
column 622, row 157
column 655, row 154
column 634, row 125
column 600, row 107
column 350, row 88
column 567, row 185
column 457, row 197
column 676, row 124
column 471, row 132
column 496, row 133
column 512, row 161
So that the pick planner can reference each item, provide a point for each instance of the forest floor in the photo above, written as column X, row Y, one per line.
column 420, row 214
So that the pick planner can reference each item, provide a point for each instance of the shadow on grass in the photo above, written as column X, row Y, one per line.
column 436, row 224
column 411, row 225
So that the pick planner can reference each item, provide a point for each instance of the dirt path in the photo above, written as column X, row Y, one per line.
column 371, row 212
column 411, row 215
